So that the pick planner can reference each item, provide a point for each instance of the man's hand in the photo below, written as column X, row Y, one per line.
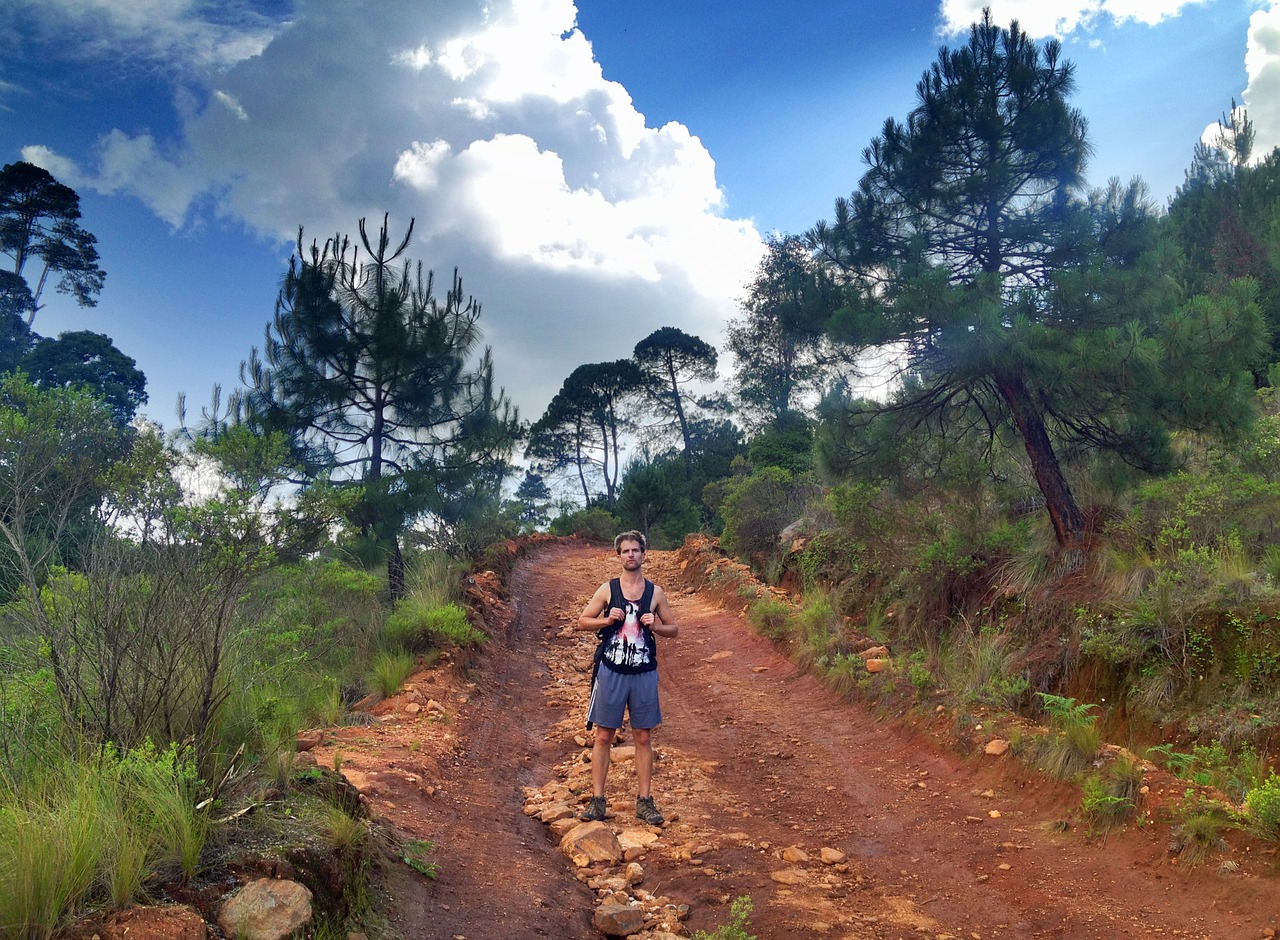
column 615, row 613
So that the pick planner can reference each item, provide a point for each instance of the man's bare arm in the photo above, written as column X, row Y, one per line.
column 664, row 619
column 594, row 616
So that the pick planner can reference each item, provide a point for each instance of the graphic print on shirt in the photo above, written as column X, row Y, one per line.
column 628, row 647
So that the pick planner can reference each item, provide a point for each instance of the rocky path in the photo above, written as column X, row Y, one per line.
column 836, row 823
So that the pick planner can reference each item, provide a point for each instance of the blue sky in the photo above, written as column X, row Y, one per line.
column 595, row 170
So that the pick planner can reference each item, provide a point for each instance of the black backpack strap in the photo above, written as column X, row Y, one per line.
column 605, row 633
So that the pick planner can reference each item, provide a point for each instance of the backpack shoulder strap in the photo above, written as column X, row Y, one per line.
column 646, row 599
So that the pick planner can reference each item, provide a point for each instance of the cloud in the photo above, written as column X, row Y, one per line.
column 1043, row 18
column 579, row 227
column 1262, row 64
column 176, row 33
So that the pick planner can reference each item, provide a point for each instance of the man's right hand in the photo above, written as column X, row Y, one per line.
column 616, row 613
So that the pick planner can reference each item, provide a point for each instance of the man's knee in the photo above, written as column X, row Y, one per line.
column 605, row 736
column 641, row 736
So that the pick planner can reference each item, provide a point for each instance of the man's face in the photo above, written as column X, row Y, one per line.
column 632, row 555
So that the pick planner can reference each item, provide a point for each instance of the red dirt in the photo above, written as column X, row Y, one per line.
column 754, row 757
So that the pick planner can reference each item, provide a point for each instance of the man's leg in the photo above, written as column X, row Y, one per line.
column 600, row 758
column 643, row 740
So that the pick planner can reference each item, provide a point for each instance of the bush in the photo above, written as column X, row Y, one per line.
column 1262, row 803
column 594, row 524
column 389, row 671
column 415, row 626
column 771, row 617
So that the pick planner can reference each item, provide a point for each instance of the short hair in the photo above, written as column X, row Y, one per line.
column 632, row 536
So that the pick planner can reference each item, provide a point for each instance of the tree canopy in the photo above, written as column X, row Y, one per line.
column 378, row 382
column 670, row 359
column 582, row 429
column 969, row 255
column 39, row 221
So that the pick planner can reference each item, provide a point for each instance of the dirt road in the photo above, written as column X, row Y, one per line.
column 760, row 769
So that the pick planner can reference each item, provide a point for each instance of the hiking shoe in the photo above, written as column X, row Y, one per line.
column 595, row 810
column 647, row 812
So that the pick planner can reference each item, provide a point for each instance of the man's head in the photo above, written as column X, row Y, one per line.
column 632, row 536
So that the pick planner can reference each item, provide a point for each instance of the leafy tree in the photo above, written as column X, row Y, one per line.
column 58, row 445
column 532, row 502
column 373, row 379
column 1225, row 218
column 778, row 344
column 970, row 258
column 39, row 219
column 655, row 499
column 582, row 428
column 671, row 359
column 89, row 360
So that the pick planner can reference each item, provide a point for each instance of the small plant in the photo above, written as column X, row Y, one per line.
column 1262, row 804
column 414, row 854
column 1111, row 796
column 1199, row 829
column 388, row 671
column 736, row 928
column 770, row 617
column 1075, row 740
column 343, row 832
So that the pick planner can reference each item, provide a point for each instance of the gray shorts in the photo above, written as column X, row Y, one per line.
column 615, row 691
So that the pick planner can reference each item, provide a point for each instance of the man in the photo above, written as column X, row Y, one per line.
column 626, row 612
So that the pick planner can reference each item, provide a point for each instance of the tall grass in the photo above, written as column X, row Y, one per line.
column 92, row 831
column 390, row 670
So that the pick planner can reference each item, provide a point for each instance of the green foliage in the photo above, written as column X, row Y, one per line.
column 1212, row 765
column 92, row 831
column 1075, row 736
column 771, row 617
column 414, row 854
column 389, row 670
column 757, row 509
column 1199, row 827
column 1262, row 803
column 579, row 432
column 1111, row 796
column 655, row 499
column 980, row 668
column 415, row 626
column 381, row 385
column 736, row 928
column 594, row 524
column 40, row 223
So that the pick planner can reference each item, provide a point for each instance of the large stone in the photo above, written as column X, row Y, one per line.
column 997, row 747
column 618, row 920
column 306, row 740
column 589, row 843
column 266, row 909
column 790, row 876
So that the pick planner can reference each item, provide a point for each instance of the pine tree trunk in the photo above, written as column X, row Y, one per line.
column 395, row 570
column 1067, row 519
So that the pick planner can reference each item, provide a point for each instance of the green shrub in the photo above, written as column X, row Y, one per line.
column 771, row 617
column 736, row 928
column 389, row 670
column 1262, row 803
column 594, row 524
column 416, row 625
column 1199, row 827
column 1075, row 740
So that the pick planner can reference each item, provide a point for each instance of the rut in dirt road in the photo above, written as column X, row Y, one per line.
column 761, row 769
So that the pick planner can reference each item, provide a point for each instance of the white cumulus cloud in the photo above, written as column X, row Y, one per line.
column 1262, row 63
column 1043, row 18
column 579, row 227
